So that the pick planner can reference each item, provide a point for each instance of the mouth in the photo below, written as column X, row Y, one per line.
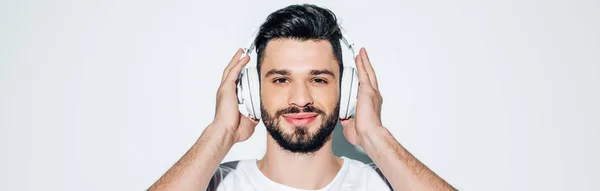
column 300, row 119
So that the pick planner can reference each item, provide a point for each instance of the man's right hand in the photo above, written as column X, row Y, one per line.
column 227, row 115
column 196, row 168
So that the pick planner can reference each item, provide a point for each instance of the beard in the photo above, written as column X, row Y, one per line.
column 300, row 140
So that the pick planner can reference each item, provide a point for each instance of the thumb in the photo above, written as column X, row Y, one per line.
column 347, row 123
column 247, row 121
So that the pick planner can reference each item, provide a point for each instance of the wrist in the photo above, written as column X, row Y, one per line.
column 219, row 134
column 211, row 147
column 374, row 137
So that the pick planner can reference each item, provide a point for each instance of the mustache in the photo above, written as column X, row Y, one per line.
column 294, row 109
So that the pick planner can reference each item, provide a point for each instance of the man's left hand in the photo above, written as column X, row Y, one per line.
column 368, row 105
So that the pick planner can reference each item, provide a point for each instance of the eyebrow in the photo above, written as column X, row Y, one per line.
column 276, row 71
column 285, row 72
column 319, row 72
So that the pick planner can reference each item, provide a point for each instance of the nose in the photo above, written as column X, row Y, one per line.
column 300, row 95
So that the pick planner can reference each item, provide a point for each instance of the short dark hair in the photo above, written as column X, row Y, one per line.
column 300, row 22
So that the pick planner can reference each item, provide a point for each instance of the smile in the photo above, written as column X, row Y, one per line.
column 300, row 119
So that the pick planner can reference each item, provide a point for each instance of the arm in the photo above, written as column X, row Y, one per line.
column 402, row 170
column 195, row 169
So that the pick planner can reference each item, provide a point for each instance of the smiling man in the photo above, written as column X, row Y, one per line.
column 299, row 91
column 300, row 66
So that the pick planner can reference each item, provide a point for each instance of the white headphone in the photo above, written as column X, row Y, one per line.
column 248, row 84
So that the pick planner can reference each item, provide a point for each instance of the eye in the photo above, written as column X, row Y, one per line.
column 320, row 81
column 280, row 80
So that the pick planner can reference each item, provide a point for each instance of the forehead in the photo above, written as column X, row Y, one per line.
column 299, row 56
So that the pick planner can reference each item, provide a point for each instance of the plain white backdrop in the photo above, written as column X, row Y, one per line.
column 491, row 95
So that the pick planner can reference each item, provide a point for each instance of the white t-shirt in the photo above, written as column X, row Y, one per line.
column 244, row 175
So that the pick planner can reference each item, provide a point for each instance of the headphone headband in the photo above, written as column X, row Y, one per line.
column 250, row 45
column 346, row 40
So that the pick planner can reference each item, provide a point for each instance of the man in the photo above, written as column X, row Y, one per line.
column 300, row 67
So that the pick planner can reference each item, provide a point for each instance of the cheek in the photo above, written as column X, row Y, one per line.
column 328, row 97
column 272, row 98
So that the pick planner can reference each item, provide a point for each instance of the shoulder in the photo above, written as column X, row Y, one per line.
column 230, row 164
column 238, row 166
column 368, row 175
column 229, row 174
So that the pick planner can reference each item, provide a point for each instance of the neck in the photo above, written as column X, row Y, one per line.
column 304, row 171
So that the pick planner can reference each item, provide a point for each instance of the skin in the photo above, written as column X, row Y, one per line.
column 305, row 171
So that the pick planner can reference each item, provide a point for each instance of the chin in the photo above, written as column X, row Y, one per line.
column 300, row 135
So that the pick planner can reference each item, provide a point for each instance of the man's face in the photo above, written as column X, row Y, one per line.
column 300, row 93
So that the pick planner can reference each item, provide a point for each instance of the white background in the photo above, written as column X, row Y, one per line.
column 107, row 95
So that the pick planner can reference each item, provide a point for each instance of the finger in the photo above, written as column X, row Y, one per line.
column 235, row 70
column 232, row 62
column 363, row 77
column 369, row 68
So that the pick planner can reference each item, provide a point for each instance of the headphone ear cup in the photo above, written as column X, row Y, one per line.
column 353, row 93
column 253, row 105
column 348, row 93
column 242, row 92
